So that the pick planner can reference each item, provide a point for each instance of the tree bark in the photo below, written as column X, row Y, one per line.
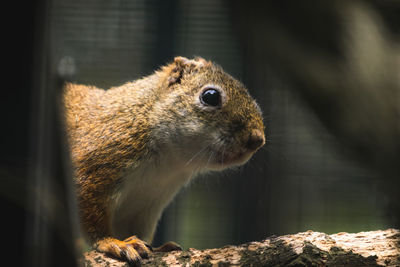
column 375, row 248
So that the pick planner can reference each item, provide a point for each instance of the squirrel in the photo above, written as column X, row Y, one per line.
column 134, row 146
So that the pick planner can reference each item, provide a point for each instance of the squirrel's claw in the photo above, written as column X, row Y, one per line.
column 132, row 249
column 140, row 246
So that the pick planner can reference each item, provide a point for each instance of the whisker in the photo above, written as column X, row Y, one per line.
column 196, row 154
column 222, row 156
column 209, row 158
column 202, row 153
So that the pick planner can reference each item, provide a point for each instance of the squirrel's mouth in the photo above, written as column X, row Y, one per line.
column 226, row 160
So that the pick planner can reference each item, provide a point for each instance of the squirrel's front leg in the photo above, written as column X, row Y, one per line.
column 95, row 215
column 96, row 220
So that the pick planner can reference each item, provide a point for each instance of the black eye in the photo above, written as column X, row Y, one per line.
column 211, row 97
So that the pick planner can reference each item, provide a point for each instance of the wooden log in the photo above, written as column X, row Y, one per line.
column 374, row 248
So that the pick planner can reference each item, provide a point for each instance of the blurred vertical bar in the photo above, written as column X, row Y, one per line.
column 52, row 226
column 166, row 14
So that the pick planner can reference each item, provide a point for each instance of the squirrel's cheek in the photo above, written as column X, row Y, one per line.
column 193, row 127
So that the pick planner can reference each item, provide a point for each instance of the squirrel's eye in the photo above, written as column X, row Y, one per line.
column 211, row 97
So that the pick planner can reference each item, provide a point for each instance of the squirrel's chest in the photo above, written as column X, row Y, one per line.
column 151, row 185
column 144, row 193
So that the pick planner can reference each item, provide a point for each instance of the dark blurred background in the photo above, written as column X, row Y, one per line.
column 325, row 75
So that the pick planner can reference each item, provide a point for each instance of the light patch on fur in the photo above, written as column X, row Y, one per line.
column 144, row 194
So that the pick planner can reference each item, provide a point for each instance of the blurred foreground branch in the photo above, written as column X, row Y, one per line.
column 375, row 248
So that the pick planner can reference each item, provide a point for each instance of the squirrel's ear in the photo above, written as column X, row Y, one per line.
column 183, row 65
column 190, row 63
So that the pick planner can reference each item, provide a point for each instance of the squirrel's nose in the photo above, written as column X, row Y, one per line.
column 256, row 140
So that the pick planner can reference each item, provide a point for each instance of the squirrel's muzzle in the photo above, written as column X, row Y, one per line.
column 256, row 140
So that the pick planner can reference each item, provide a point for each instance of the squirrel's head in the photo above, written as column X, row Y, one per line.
column 212, row 120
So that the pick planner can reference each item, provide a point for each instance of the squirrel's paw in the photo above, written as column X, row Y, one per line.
column 132, row 249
